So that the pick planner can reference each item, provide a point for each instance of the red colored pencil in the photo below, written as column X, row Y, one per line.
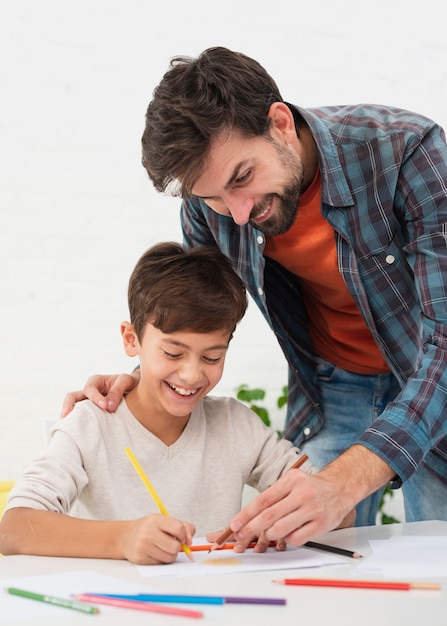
column 358, row 584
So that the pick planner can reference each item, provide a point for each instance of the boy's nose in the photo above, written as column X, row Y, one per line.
column 191, row 373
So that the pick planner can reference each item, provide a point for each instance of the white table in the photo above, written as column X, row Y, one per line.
column 306, row 606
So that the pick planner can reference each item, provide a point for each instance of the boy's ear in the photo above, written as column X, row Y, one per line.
column 130, row 339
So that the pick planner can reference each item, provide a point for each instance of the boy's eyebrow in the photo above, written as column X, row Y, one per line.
column 174, row 342
column 234, row 174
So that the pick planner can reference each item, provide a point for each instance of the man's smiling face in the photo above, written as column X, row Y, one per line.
column 253, row 179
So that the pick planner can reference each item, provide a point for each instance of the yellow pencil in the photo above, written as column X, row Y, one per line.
column 161, row 507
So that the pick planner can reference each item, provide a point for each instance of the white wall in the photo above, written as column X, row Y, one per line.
column 76, row 207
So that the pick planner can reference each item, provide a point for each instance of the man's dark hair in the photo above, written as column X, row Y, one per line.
column 197, row 100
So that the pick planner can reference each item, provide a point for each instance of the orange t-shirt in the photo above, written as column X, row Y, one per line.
column 336, row 328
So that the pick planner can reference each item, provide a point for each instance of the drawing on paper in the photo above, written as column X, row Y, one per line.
column 222, row 561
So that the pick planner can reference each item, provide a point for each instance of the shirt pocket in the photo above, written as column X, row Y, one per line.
column 389, row 282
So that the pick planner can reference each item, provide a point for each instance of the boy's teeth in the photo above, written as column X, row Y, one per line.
column 183, row 392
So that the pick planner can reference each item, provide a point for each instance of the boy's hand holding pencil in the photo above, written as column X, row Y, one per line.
column 155, row 539
column 170, row 531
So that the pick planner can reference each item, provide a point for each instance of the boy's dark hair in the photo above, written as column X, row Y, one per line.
column 176, row 288
column 196, row 100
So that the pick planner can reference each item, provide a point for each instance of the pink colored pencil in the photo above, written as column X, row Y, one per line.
column 139, row 606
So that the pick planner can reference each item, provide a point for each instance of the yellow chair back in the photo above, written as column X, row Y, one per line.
column 5, row 488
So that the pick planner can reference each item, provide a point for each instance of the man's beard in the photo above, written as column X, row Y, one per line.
column 288, row 200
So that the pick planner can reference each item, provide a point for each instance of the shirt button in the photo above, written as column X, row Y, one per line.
column 260, row 239
column 306, row 432
column 260, row 291
column 390, row 259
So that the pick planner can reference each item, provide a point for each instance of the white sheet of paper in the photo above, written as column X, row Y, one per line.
column 15, row 609
column 407, row 557
column 230, row 562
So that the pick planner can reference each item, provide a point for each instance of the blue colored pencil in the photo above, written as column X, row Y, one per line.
column 189, row 599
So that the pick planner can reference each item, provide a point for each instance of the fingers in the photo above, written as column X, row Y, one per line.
column 155, row 539
column 114, row 388
column 296, row 508
column 281, row 544
column 213, row 537
column 284, row 508
column 257, row 516
column 260, row 545
column 70, row 400
column 104, row 391
column 176, row 535
column 190, row 530
column 97, row 389
column 263, row 543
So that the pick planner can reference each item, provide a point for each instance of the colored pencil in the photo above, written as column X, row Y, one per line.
column 358, row 584
column 226, row 546
column 161, row 507
column 272, row 544
column 62, row 602
column 186, row 599
column 138, row 605
column 226, row 534
column 326, row 548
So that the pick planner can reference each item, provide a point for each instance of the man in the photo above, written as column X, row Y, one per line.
column 335, row 218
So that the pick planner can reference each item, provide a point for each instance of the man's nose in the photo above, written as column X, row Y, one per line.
column 240, row 207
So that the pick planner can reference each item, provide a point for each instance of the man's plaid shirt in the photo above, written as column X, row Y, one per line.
column 384, row 191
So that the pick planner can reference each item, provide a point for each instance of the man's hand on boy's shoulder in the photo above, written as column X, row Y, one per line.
column 106, row 391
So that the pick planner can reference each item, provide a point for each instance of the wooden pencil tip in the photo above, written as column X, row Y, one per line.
column 187, row 550
column 426, row 586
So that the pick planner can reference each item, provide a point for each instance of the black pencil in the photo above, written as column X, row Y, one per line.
column 326, row 548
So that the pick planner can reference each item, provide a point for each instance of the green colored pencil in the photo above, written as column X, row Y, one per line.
column 63, row 602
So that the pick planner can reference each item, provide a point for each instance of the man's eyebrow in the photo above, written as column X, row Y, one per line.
column 234, row 175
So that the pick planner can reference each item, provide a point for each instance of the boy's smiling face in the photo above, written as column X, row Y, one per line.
column 177, row 369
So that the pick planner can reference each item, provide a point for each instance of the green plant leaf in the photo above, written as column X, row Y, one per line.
column 262, row 413
column 388, row 519
column 387, row 494
column 244, row 394
column 282, row 400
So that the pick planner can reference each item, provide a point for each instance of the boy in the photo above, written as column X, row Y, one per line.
column 83, row 498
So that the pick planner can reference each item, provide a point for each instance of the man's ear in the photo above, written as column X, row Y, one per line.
column 130, row 339
column 282, row 122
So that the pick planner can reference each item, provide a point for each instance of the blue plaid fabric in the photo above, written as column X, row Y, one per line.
column 384, row 192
